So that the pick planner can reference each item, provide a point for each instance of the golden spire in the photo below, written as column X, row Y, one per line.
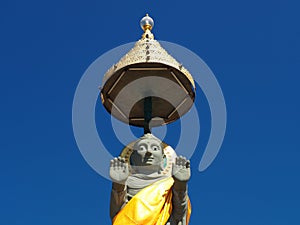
column 147, row 22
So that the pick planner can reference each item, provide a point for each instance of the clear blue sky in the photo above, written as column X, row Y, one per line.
column 251, row 46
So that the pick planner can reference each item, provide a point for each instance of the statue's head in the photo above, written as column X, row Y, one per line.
column 148, row 151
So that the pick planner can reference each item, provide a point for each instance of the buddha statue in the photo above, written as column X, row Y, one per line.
column 150, row 187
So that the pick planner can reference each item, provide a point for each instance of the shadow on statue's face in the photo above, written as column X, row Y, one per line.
column 147, row 152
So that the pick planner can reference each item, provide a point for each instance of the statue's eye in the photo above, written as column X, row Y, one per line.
column 154, row 148
column 142, row 148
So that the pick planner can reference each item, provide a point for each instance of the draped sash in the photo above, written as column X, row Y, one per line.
column 151, row 206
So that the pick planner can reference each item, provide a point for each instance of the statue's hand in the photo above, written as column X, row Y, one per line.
column 118, row 170
column 181, row 169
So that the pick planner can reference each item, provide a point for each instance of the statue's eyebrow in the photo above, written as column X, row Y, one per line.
column 157, row 145
column 141, row 144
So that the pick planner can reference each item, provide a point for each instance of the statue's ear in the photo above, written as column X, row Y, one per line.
column 131, row 158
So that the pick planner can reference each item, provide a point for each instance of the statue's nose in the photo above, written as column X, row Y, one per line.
column 148, row 153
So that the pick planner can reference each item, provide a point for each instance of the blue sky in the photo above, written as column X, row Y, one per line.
column 251, row 46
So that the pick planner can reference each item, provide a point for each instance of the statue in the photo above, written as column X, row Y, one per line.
column 149, row 180
column 148, row 194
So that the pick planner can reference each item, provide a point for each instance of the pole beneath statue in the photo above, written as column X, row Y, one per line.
column 147, row 114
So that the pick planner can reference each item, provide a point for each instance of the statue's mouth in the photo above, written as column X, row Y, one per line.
column 148, row 159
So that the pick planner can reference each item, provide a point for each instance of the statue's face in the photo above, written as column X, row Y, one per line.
column 147, row 152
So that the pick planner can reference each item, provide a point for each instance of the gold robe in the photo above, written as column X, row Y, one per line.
column 150, row 206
